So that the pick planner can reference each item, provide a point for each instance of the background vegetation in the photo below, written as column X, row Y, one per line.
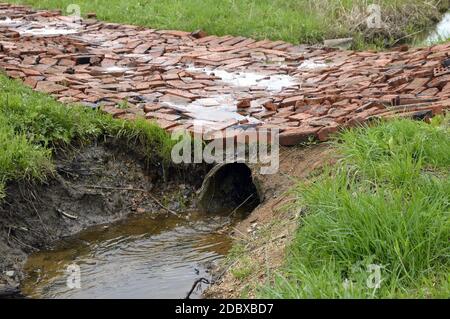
column 296, row 21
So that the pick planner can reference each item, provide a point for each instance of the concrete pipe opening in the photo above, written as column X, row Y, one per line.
column 229, row 188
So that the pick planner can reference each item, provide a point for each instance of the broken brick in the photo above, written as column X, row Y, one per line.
column 296, row 136
column 199, row 34
column 292, row 100
column 49, row 87
column 244, row 104
column 163, row 116
column 324, row 133
column 399, row 80
column 151, row 69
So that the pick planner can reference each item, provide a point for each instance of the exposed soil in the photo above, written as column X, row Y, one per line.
column 265, row 233
column 97, row 184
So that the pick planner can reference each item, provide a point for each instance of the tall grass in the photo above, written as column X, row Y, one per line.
column 386, row 203
column 34, row 125
column 296, row 21
column 19, row 159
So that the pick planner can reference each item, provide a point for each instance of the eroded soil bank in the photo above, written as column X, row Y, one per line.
column 97, row 184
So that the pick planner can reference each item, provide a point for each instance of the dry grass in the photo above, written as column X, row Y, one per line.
column 401, row 21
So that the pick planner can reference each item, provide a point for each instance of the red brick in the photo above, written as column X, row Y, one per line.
column 48, row 61
column 270, row 106
column 399, row 80
column 49, row 87
column 441, row 71
column 151, row 107
column 292, row 100
column 243, row 104
column 114, row 111
column 183, row 94
column 300, row 116
column 199, row 34
column 31, row 72
column 158, row 115
column 440, row 81
column 325, row 132
column 140, row 49
column 165, row 124
column 417, row 83
column 296, row 136
column 32, row 81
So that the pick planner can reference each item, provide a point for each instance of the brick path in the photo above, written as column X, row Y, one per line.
column 178, row 78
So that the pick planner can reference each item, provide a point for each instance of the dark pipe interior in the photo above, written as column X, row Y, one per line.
column 230, row 189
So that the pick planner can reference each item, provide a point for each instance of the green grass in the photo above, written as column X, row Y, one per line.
column 244, row 269
column 386, row 203
column 18, row 158
column 296, row 21
column 33, row 126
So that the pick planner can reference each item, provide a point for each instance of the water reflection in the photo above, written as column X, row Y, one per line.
column 142, row 257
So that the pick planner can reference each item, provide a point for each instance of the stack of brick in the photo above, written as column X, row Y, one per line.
column 178, row 79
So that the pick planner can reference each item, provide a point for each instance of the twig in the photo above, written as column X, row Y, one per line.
column 406, row 36
column 73, row 217
column 23, row 244
column 31, row 202
column 278, row 202
column 116, row 188
column 219, row 276
column 212, row 281
column 196, row 283
column 134, row 190
column 242, row 204
column 40, row 218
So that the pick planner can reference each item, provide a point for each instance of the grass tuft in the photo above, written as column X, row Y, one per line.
column 19, row 159
column 33, row 126
column 386, row 203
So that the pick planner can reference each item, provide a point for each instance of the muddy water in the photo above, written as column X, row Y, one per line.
column 141, row 257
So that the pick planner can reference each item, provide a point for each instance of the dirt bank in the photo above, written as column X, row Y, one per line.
column 262, row 237
column 95, row 184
